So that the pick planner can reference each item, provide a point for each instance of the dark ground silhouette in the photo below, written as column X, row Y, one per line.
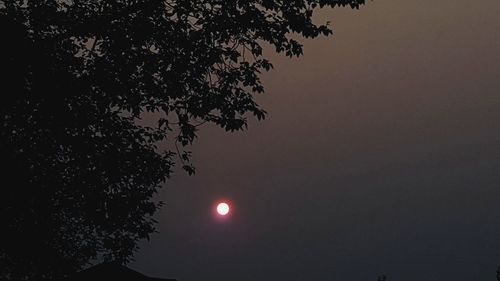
column 111, row 271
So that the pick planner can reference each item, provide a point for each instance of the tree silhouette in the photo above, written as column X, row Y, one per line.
column 382, row 278
column 78, row 78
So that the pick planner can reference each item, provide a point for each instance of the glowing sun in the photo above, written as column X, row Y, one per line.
column 222, row 209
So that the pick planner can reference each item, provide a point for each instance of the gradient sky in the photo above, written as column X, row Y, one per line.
column 380, row 155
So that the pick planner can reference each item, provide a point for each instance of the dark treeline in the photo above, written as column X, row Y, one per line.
column 385, row 278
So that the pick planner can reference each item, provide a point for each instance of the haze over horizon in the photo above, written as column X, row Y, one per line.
column 380, row 154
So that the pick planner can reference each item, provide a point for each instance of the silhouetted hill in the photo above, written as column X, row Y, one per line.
column 112, row 271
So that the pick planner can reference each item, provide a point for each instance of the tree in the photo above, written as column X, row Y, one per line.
column 382, row 278
column 78, row 77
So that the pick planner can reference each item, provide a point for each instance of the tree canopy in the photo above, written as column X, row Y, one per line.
column 79, row 166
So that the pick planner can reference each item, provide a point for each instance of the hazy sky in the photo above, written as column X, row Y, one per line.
column 380, row 155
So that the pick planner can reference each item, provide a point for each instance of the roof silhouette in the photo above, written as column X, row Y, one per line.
column 112, row 271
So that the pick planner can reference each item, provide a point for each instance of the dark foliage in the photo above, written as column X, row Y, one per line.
column 382, row 278
column 79, row 166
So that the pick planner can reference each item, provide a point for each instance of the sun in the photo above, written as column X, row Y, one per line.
column 223, row 209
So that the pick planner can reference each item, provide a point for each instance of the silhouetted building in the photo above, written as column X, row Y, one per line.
column 112, row 272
